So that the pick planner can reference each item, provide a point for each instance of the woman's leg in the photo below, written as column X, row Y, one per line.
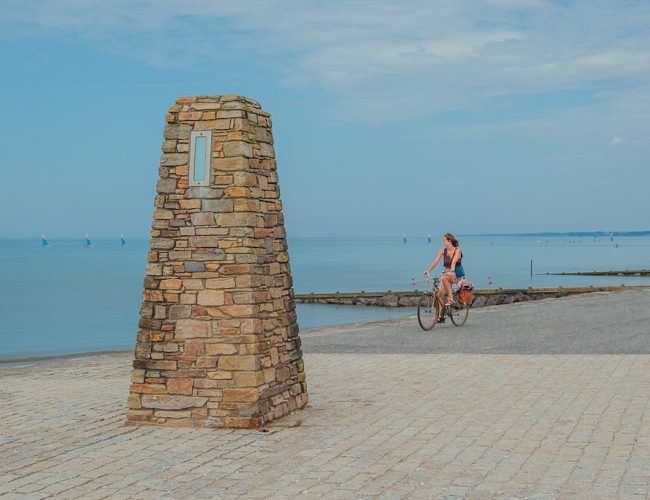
column 440, row 297
column 446, row 287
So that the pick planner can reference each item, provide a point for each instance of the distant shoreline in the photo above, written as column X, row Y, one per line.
column 551, row 234
column 571, row 234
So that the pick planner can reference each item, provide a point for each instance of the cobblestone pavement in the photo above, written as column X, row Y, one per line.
column 378, row 425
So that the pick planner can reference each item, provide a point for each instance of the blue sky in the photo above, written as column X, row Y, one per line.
column 416, row 117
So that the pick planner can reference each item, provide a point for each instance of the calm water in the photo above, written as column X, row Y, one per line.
column 67, row 299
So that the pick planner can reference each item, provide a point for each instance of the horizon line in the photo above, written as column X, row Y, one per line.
column 597, row 232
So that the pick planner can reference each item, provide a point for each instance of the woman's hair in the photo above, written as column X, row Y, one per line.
column 452, row 238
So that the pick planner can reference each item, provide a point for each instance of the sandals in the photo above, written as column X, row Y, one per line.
column 441, row 319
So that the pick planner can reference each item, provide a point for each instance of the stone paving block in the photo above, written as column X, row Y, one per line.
column 449, row 435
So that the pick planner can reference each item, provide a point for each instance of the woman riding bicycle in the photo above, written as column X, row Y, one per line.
column 452, row 257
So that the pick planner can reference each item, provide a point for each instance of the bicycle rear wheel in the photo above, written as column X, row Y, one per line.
column 428, row 311
column 458, row 314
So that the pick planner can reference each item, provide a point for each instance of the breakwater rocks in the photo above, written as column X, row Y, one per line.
column 627, row 272
column 410, row 299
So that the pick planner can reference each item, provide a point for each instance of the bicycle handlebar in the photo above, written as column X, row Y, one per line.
column 436, row 280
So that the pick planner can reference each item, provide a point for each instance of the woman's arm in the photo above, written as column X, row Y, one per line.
column 456, row 258
column 435, row 262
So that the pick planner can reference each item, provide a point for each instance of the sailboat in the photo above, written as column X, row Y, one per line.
column 122, row 240
column 429, row 238
column 404, row 238
column 44, row 241
column 87, row 242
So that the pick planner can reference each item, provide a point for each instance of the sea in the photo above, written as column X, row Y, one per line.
column 67, row 298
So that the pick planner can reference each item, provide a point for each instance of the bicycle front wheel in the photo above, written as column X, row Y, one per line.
column 459, row 314
column 428, row 311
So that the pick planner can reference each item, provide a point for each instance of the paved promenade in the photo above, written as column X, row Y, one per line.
column 435, row 419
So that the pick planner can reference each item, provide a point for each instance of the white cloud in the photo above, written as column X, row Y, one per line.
column 516, row 3
column 411, row 58
column 616, row 140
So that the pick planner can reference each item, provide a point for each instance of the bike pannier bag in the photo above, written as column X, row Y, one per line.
column 466, row 296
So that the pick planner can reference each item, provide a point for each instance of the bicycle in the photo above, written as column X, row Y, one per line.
column 429, row 308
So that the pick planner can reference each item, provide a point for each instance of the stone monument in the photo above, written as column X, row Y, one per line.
column 218, row 342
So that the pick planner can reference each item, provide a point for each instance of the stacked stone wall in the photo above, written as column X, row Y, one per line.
column 481, row 297
column 218, row 340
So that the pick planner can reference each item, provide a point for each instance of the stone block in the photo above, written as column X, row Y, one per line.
column 237, row 219
column 243, row 297
column 170, row 284
column 231, row 114
column 220, row 375
column 187, row 298
column 189, row 116
column 239, row 363
column 137, row 376
column 194, row 267
column 235, row 103
column 148, row 388
column 240, row 311
column 152, row 296
column 244, row 205
column 178, row 311
column 240, row 395
column 204, row 241
column 267, row 150
column 166, row 185
column 172, row 414
column 160, row 365
column 174, row 159
column 204, row 254
column 203, row 218
column 220, row 283
column 202, row 193
column 172, row 402
column 237, row 192
column 189, row 204
column 234, row 269
column 210, row 298
column 202, row 106
column 193, row 284
column 180, row 386
column 248, row 379
column 217, row 124
column 153, row 269
column 163, row 214
column 220, row 349
column 238, row 148
column 221, row 206
column 135, row 416
column 235, row 163
column 191, row 328
column 177, row 131
column 169, row 146
column 194, row 347
column 245, row 179
column 179, row 255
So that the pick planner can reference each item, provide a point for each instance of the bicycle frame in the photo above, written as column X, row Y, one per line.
column 457, row 312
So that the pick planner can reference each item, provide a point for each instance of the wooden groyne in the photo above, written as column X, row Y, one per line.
column 481, row 297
